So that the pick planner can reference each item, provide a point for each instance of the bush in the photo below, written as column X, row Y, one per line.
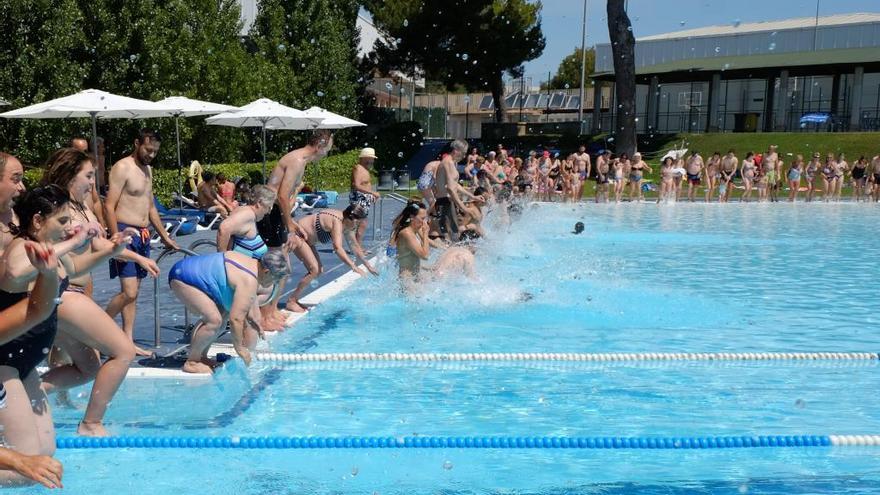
column 331, row 173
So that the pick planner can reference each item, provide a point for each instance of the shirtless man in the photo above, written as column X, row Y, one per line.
column 11, row 187
column 208, row 198
column 94, row 199
column 362, row 194
column 694, row 170
column 130, row 205
column 771, row 172
column 713, row 169
column 603, row 167
column 729, row 165
column 278, row 227
column 875, row 177
column 448, row 191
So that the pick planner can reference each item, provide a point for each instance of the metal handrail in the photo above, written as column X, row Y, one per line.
column 157, row 328
column 202, row 242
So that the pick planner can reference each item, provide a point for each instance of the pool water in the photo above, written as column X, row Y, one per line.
column 642, row 278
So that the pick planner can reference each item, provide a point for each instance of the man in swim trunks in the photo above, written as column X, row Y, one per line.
column 694, row 169
column 584, row 168
column 11, row 187
column 729, row 164
column 278, row 227
column 362, row 194
column 603, row 167
column 130, row 204
column 448, row 191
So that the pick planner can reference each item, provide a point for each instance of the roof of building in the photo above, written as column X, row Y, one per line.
column 748, row 62
column 736, row 27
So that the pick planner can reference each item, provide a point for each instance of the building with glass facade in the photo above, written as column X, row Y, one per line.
column 813, row 73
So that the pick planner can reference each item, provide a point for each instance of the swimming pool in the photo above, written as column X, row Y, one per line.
column 642, row 278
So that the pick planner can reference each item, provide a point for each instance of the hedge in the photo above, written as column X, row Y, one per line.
column 330, row 173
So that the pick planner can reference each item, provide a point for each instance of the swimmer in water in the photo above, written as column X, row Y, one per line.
column 578, row 228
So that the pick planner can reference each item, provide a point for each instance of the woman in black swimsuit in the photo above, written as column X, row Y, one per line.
column 859, row 177
column 44, row 217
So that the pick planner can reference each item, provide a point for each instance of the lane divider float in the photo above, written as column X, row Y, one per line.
column 470, row 442
column 565, row 356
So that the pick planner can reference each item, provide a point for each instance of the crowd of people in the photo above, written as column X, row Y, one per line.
column 547, row 176
column 54, row 235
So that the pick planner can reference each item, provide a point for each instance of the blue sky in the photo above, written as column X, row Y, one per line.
column 561, row 20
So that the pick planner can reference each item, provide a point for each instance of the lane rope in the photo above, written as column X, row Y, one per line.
column 470, row 442
column 568, row 356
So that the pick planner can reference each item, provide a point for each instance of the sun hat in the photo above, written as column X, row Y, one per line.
column 367, row 153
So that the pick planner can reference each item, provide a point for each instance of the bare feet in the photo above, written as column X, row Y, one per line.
column 295, row 307
column 197, row 367
column 91, row 429
column 142, row 352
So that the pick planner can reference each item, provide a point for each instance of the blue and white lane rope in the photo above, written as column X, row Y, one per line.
column 567, row 356
column 470, row 442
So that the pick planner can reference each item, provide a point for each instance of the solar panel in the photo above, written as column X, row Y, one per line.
column 543, row 100
column 531, row 101
column 512, row 100
column 574, row 103
column 557, row 100
column 486, row 102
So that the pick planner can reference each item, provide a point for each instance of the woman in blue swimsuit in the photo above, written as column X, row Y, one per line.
column 221, row 287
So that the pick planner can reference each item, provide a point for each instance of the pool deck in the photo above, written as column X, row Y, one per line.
column 171, row 311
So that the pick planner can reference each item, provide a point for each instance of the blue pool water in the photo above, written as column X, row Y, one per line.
column 642, row 278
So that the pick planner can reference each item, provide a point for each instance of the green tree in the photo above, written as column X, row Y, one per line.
column 36, row 64
column 473, row 43
column 568, row 74
column 306, row 53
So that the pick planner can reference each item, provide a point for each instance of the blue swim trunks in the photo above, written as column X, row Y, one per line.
column 140, row 244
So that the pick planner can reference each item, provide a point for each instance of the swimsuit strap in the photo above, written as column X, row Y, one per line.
column 238, row 265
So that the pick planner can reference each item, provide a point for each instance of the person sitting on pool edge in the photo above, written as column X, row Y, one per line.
column 220, row 287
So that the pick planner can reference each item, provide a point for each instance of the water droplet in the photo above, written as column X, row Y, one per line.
column 45, row 350
column 313, row 284
column 681, row 23
column 566, row 85
column 726, row 66
column 399, row 154
column 629, row 28
column 464, row 56
column 354, row 471
column 133, row 57
column 312, row 41
column 281, row 47
column 405, row 22
column 637, row 119
column 320, row 93
column 611, row 139
column 772, row 46
column 773, row 33
column 388, row 86
column 736, row 22
column 743, row 488
column 447, row 465
column 717, row 49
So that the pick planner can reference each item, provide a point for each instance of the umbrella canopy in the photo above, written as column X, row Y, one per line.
column 181, row 106
column 330, row 120
column 90, row 103
column 266, row 114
